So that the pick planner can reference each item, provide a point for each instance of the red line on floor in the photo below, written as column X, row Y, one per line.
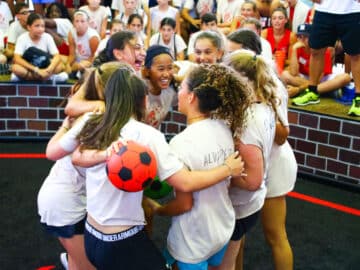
column 314, row 200
column 23, row 155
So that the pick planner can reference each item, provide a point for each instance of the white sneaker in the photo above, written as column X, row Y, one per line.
column 64, row 260
column 60, row 77
column 14, row 78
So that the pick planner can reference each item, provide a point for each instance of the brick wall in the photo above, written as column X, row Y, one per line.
column 324, row 146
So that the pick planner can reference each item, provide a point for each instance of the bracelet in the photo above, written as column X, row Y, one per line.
column 66, row 128
column 225, row 164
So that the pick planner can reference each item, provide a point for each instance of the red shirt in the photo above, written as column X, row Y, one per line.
column 283, row 44
column 304, row 61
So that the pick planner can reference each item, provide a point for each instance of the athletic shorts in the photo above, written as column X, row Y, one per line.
column 214, row 260
column 67, row 231
column 39, row 2
column 74, row 3
column 244, row 225
column 131, row 250
column 328, row 28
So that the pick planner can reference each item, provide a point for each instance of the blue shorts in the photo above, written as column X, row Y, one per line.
column 243, row 225
column 214, row 260
column 67, row 231
column 39, row 2
column 328, row 28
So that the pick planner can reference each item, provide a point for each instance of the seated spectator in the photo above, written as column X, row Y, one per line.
column 17, row 27
column 227, row 10
column 168, row 38
column 118, row 6
column 83, row 42
column 98, row 16
column 6, row 17
column 208, row 22
column 296, row 77
column 280, row 37
column 130, row 7
column 115, row 26
column 135, row 23
column 161, row 11
column 248, row 10
column 297, row 11
column 255, row 25
column 36, row 56
column 58, row 25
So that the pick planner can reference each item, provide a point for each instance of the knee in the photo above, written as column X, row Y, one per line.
column 318, row 53
column 285, row 77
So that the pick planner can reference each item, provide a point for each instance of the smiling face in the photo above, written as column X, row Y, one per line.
column 161, row 71
column 36, row 29
column 206, row 52
column 133, row 54
column 247, row 10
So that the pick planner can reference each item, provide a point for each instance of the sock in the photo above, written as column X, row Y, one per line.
column 313, row 88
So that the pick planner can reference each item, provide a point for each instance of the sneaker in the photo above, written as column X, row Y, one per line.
column 64, row 260
column 355, row 107
column 306, row 97
column 14, row 78
column 60, row 77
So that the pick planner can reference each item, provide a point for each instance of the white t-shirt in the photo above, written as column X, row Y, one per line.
column 107, row 204
column 338, row 7
column 102, row 45
column 82, row 44
column 202, row 6
column 260, row 131
column 157, row 15
column 63, row 27
column 266, row 50
column 301, row 11
column 201, row 232
column 157, row 107
column 124, row 19
column 176, row 43
column 226, row 10
column 15, row 30
column 96, row 16
column 5, row 17
column 46, row 43
column 62, row 197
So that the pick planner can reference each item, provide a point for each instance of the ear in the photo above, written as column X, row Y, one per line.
column 118, row 54
column 220, row 54
column 145, row 73
column 191, row 97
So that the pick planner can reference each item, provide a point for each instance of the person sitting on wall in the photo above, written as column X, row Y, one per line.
column 296, row 76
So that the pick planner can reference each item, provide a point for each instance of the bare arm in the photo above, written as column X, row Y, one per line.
column 53, row 149
column 254, row 167
column 281, row 133
column 103, row 28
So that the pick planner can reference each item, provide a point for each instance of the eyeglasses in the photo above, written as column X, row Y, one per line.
column 25, row 12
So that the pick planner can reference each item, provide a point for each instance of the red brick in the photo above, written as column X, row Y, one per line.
column 48, row 114
column 8, row 113
column 53, row 125
column 292, row 142
column 298, row 132
column 315, row 162
column 27, row 90
column 300, row 157
column 340, row 140
column 3, row 101
column 351, row 128
column 46, row 90
column 56, row 102
column 179, row 118
column 8, row 90
column 306, row 147
column 2, row 125
column 16, row 124
column 355, row 172
column 318, row 136
column 64, row 91
column 356, row 144
column 350, row 156
column 309, row 120
column 330, row 124
column 327, row 151
column 37, row 125
column 28, row 113
column 39, row 102
column 17, row 102
column 336, row 167
column 293, row 117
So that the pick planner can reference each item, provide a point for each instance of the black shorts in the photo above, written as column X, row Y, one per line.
column 67, row 231
column 131, row 250
column 244, row 225
column 328, row 28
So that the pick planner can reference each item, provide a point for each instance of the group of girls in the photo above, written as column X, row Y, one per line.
column 213, row 106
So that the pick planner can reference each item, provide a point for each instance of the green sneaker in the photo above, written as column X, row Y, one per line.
column 306, row 97
column 355, row 107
